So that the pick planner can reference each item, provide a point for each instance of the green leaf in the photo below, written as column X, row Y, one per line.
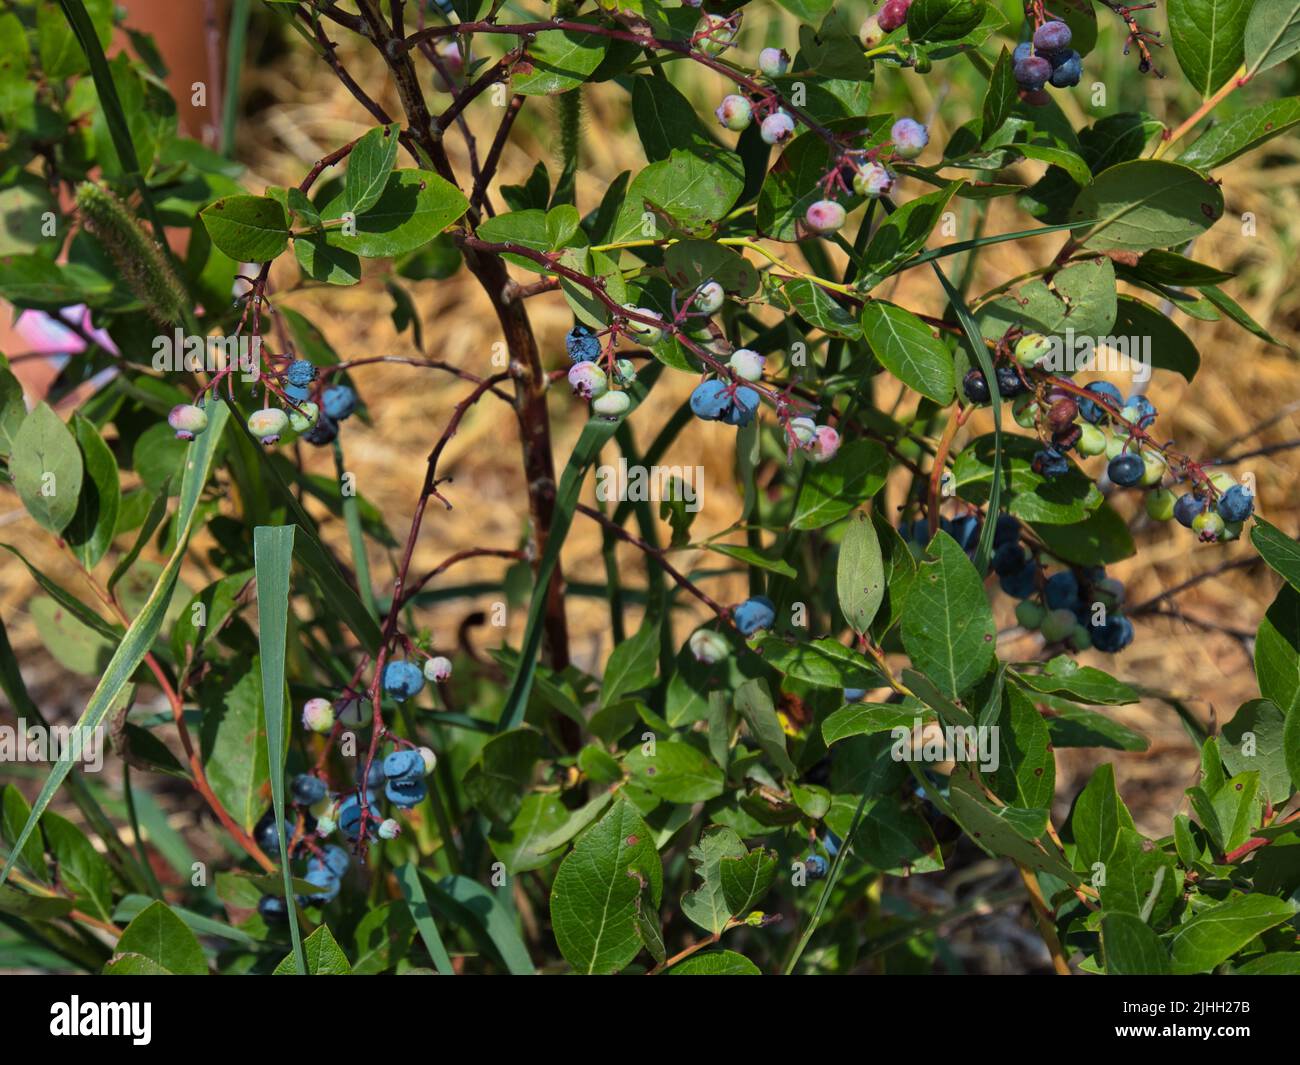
column 1170, row 347
column 691, row 190
column 1002, row 831
column 414, row 207
column 860, row 574
column 756, row 559
column 1291, row 743
column 560, row 61
column 143, row 630
column 864, row 719
column 1063, row 500
column 902, row 234
column 1241, row 133
column 1277, row 549
column 1097, row 818
column 1272, row 34
column 90, row 532
column 1277, row 651
column 632, row 664
column 824, row 663
column 12, row 411
column 746, row 879
column 247, row 228
column 1255, row 740
column 1081, row 297
column 754, row 704
column 369, row 164
column 833, row 489
column 1225, row 303
column 707, row 906
column 1208, row 38
column 1099, row 539
column 594, row 896
column 1064, row 676
column 1146, row 203
column 676, row 772
column 1139, row 878
column 46, row 468
column 819, row 307
column 324, row 957
column 497, row 780
column 908, row 349
column 943, row 20
column 81, row 868
column 14, row 814
column 382, row 938
column 665, row 119
column 1000, row 97
column 417, row 901
column 517, row 846
column 947, row 624
column 233, row 741
column 272, row 561
column 1214, row 935
column 159, row 935
column 1130, row 947
column 717, row 962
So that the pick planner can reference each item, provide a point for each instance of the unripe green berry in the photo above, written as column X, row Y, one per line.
column 304, row 417
column 709, row 646
column 1153, row 468
column 1058, row 624
column 1222, row 480
column 1208, row 525
column 709, row 298
column 1029, row 614
column 1031, row 349
column 1114, row 446
column 267, row 424
column 1081, row 638
column 1160, row 504
column 1025, row 411
column 714, row 34
column 1092, row 441
column 647, row 334
column 611, row 405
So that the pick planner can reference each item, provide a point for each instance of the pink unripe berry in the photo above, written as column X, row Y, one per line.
column 317, row 715
column 825, row 444
column 188, row 420
column 777, row 128
column 735, row 112
column 870, row 33
column 909, row 137
column 389, row 829
column 872, row 180
column 267, row 424
column 773, row 61
column 893, row 15
column 437, row 669
column 747, row 364
column 825, row 216
column 588, row 380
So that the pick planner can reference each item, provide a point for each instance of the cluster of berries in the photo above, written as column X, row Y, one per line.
column 404, row 680
column 591, row 381
column 324, row 871
column 886, row 21
column 1047, row 60
column 737, row 112
column 870, row 177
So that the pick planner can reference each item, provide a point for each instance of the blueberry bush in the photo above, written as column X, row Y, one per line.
column 734, row 795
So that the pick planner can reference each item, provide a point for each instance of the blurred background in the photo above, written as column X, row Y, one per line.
column 1245, row 401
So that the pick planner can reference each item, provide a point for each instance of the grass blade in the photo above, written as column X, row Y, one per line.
column 236, row 42
column 143, row 630
column 408, row 878
column 272, row 560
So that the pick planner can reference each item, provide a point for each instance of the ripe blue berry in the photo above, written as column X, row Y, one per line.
column 1032, row 73
column 325, row 431
column 1146, row 410
column 328, row 883
column 1019, row 585
column 1009, row 558
column 1049, row 462
column 753, row 614
column 1010, row 383
column 975, row 386
column 404, row 765
column 854, row 695
column 1052, row 36
column 1126, row 469
column 307, row 789
column 338, row 402
column 272, row 910
column 1236, row 504
column 406, row 793
column 350, row 816
column 581, row 344
column 815, row 866
column 374, row 777
column 300, row 373
column 1023, row 51
column 1061, row 592
column 710, row 400
column 402, row 680
column 336, row 859
column 744, row 405
column 296, row 393
column 1113, row 635
column 1006, row 531
column 1067, row 69
column 909, row 137
column 965, row 530
column 1093, row 412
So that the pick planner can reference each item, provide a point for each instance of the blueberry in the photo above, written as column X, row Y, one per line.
column 832, row 843
column 743, row 407
column 1009, row 558
column 1053, row 36
column 1032, row 73
column 710, row 400
column 975, row 386
column 350, row 816
column 581, row 344
column 1068, row 71
column 1019, row 585
column 909, row 137
column 1009, row 383
column 402, row 680
column 1023, row 51
column 965, row 530
column 307, row 789
column 325, row 431
column 1093, row 412
column 854, row 695
column 1126, row 469
column 300, row 373
column 1049, row 462
column 327, row 882
column 1007, row 530
column 1061, row 592
column 1146, row 410
column 376, row 775
column 753, row 614
column 1113, row 635
column 188, row 420
column 338, row 401
column 272, row 909
column 1236, row 504
column 404, row 765
column 337, row 859
column 406, row 793
column 815, row 866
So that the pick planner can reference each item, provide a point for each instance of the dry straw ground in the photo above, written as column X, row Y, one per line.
column 1245, row 398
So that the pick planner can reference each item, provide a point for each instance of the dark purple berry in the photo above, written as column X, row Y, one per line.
column 1068, row 71
column 1049, row 462
column 1009, row 383
column 976, row 387
column 1052, row 37
column 1126, row 469
column 1032, row 73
